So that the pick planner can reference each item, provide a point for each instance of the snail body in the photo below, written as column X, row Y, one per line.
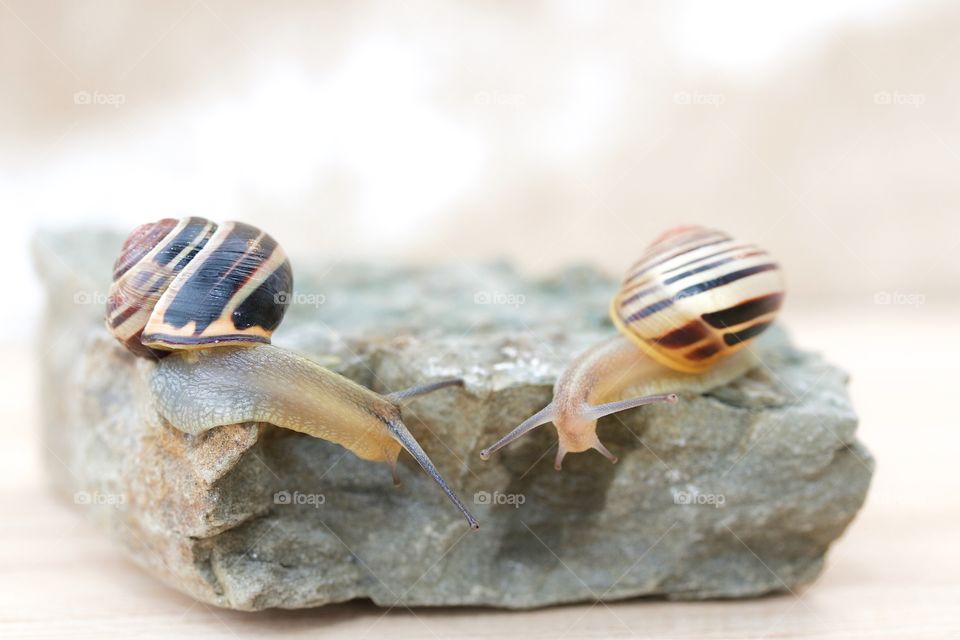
column 214, row 387
column 685, row 313
column 203, row 300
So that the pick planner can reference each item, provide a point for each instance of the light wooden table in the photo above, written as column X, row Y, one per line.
column 896, row 573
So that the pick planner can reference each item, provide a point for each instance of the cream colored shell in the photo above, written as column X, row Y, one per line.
column 696, row 296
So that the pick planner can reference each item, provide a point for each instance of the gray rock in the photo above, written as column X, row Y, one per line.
column 737, row 491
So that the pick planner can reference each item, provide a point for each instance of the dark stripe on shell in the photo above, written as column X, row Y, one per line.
column 250, row 263
column 658, row 253
column 743, row 312
column 688, row 334
column 725, row 279
column 262, row 307
column 182, row 342
column 140, row 242
column 693, row 290
column 210, row 289
column 134, row 344
column 633, row 297
column 671, row 256
column 704, row 352
column 745, row 334
column 711, row 265
column 707, row 257
column 649, row 310
column 193, row 252
column 138, row 293
column 123, row 316
column 190, row 232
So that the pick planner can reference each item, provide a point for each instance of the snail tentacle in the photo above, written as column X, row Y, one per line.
column 605, row 452
column 406, row 439
column 599, row 411
column 400, row 397
column 558, row 459
column 542, row 417
column 595, row 444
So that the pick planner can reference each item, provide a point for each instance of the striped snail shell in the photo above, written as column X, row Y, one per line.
column 191, row 283
column 696, row 296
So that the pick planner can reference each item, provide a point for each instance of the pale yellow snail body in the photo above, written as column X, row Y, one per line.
column 203, row 299
column 685, row 313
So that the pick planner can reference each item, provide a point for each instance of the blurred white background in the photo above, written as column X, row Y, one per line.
column 545, row 132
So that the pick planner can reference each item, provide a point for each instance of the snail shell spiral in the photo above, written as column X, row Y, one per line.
column 191, row 283
column 697, row 295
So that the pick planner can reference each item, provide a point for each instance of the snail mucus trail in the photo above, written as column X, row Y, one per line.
column 684, row 312
column 203, row 300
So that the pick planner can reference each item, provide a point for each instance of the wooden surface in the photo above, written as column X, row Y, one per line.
column 896, row 572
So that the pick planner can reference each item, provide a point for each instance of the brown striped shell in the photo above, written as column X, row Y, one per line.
column 696, row 296
column 191, row 284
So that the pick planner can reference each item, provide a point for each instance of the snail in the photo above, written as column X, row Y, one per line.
column 685, row 312
column 203, row 300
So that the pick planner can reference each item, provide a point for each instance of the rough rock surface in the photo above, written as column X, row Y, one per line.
column 734, row 492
